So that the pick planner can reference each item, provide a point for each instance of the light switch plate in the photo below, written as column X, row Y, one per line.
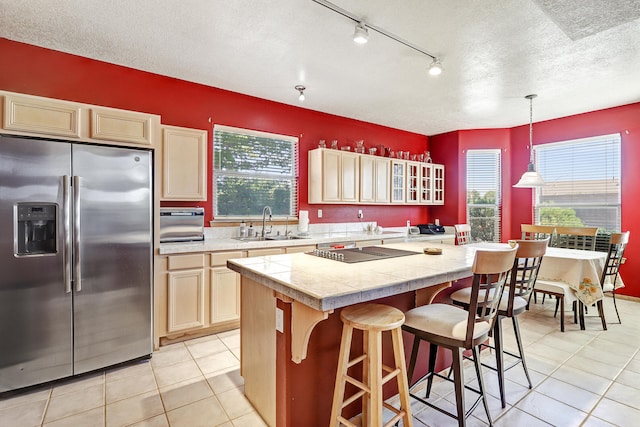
column 279, row 320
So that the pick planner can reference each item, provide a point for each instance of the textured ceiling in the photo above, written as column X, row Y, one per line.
column 577, row 55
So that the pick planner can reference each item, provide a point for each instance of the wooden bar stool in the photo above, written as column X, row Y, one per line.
column 372, row 319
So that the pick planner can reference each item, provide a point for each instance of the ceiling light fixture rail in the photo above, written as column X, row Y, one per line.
column 434, row 69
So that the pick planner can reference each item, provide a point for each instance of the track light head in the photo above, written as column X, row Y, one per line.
column 435, row 69
column 301, row 89
column 361, row 34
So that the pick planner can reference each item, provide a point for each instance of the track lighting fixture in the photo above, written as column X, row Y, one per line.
column 361, row 34
column 531, row 178
column 300, row 89
column 435, row 69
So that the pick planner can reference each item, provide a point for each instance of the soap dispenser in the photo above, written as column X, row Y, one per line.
column 243, row 229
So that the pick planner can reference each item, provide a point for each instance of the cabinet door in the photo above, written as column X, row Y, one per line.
column 331, row 183
column 426, row 183
column 120, row 125
column 186, row 300
column 225, row 295
column 367, row 179
column 398, row 181
column 383, row 180
column 43, row 116
column 413, row 182
column 438, row 184
column 350, row 177
column 184, row 160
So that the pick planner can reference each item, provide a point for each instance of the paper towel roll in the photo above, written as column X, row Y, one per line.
column 303, row 222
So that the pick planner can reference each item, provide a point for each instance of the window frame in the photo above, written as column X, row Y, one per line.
column 597, row 142
column 293, row 177
column 497, row 206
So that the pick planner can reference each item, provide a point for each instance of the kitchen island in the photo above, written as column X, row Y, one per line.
column 290, row 319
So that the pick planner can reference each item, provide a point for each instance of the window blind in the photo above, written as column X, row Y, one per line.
column 252, row 170
column 484, row 196
column 582, row 183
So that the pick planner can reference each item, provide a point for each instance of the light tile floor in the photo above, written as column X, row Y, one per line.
column 580, row 378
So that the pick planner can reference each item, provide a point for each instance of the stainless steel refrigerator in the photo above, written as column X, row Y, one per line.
column 76, row 258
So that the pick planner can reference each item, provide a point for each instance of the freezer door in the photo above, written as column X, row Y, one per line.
column 35, row 307
column 113, row 270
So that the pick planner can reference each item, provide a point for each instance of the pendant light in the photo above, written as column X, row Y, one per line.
column 531, row 178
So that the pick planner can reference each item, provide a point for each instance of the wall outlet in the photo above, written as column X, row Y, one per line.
column 360, row 214
column 319, row 213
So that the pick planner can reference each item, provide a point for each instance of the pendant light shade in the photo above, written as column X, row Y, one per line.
column 531, row 178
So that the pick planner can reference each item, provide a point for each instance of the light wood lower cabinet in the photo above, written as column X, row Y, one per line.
column 195, row 294
column 185, row 292
column 186, row 300
column 225, row 288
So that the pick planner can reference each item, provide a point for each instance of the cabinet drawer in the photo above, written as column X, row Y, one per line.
column 222, row 257
column 263, row 252
column 179, row 262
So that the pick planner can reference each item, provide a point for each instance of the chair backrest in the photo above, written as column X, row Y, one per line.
column 490, row 272
column 583, row 238
column 525, row 269
column 537, row 232
column 615, row 257
column 463, row 233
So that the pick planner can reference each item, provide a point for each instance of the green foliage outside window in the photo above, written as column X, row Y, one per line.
column 253, row 171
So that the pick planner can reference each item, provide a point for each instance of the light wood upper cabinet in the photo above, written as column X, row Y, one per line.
column 41, row 115
column 375, row 179
column 413, row 182
column 350, row 176
column 438, row 185
column 184, row 160
column 337, row 176
column 398, row 180
column 334, row 176
column 121, row 125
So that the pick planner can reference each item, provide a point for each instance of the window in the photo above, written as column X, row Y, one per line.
column 582, row 180
column 483, row 194
column 253, row 170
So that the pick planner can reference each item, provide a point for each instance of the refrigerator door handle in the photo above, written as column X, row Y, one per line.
column 66, row 200
column 76, row 233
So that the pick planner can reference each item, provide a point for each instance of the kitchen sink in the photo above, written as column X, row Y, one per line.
column 268, row 238
column 285, row 237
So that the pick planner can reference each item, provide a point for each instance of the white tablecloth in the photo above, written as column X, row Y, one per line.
column 581, row 270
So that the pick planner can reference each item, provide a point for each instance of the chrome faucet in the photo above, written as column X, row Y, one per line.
column 264, row 219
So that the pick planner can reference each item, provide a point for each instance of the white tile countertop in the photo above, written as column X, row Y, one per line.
column 325, row 284
column 222, row 239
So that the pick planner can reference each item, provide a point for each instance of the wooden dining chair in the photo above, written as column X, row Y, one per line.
column 538, row 232
column 615, row 258
column 463, row 233
column 451, row 327
column 514, row 302
column 583, row 238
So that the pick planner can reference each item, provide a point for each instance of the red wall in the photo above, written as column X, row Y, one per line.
column 450, row 149
column 43, row 72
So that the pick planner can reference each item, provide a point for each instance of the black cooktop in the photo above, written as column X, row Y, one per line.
column 367, row 253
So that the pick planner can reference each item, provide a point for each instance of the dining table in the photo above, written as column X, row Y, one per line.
column 579, row 269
